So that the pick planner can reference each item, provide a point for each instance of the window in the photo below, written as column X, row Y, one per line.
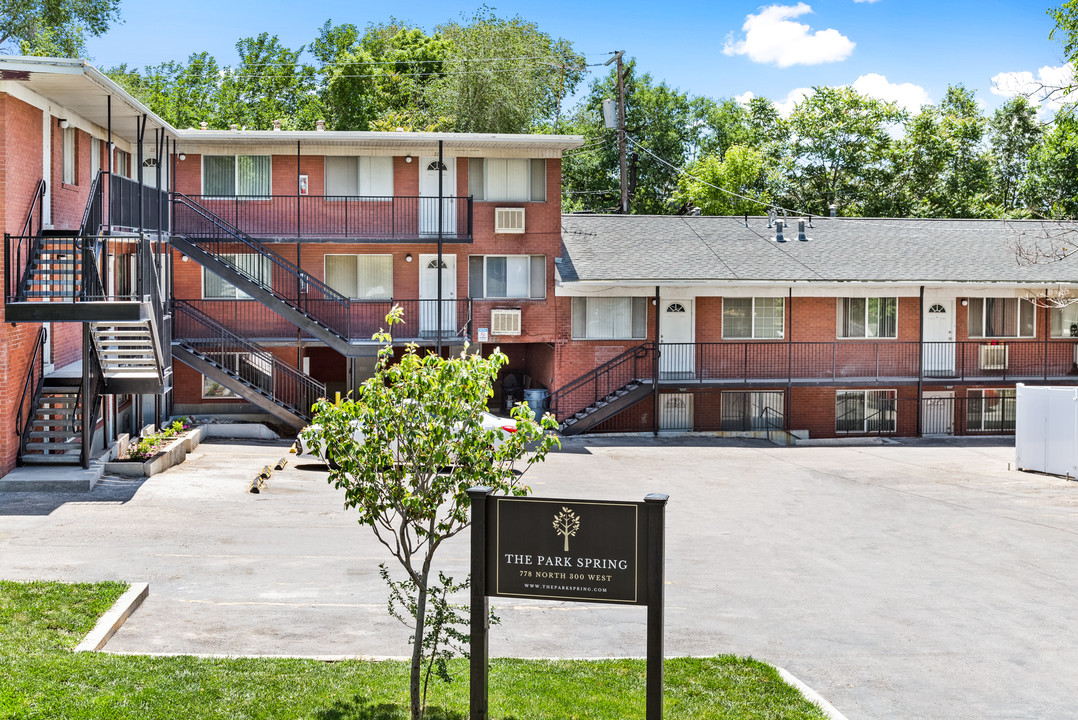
column 507, row 179
column 362, row 277
column 1064, row 321
column 614, row 318
column 752, row 318
column 236, row 175
column 507, row 276
column 255, row 266
column 68, row 156
column 359, row 176
column 865, row 411
column 1001, row 317
column 123, row 164
column 868, row 317
column 989, row 409
column 95, row 157
column 752, row 410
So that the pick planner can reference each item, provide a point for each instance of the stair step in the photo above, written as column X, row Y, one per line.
column 63, row 447
column 109, row 333
column 65, row 459
column 122, row 352
column 57, row 411
column 60, row 391
column 52, row 434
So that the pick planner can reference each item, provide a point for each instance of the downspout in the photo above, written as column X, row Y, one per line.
column 438, row 305
column 921, row 360
column 655, row 368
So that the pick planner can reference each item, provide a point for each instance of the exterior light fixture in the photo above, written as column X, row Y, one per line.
column 408, row 158
column 408, row 257
column 64, row 123
column 184, row 258
column 183, row 156
column 965, row 302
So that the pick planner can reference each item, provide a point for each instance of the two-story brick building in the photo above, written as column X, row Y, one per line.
column 252, row 282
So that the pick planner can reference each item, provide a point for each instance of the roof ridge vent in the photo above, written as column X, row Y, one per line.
column 778, row 231
column 801, row 236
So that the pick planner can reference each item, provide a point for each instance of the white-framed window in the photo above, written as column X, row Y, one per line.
column 874, row 317
column 990, row 409
column 67, row 156
column 95, row 157
column 236, row 175
column 752, row 410
column 507, row 276
column 753, row 318
column 613, row 318
column 1064, row 321
column 1001, row 318
column 217, row 288
column 359, row 176
column 507, row 179
column 866, row 411
column 361, row 277
column 123, row 164
column 254, row 369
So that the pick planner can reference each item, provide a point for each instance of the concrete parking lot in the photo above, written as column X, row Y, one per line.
column 904, row 580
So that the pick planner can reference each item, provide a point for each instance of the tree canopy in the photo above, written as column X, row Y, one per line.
column 54, row 28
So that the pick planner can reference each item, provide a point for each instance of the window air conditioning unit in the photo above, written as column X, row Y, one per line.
column 509, row 220
column 993, row 357
column 505, row 322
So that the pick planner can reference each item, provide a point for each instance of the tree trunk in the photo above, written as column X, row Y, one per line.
column 417, row 651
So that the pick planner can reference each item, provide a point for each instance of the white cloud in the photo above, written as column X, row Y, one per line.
column 771, row 36
column 745, row 97
column 786, row 105
column 907, row 95
column 1037, row 87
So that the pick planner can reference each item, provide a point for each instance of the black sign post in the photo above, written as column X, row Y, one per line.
column 575, row 550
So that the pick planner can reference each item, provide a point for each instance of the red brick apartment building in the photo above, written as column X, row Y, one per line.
column 251, row 283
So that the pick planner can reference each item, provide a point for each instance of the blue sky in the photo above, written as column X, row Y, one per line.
column 903, row 50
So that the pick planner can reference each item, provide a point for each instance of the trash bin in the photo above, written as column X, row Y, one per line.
column 536, row 399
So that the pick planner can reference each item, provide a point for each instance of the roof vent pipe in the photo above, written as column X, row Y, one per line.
column 233, row 126
column 833, row 208
column 320, row 125
column 277, row 125
column 778, row 232
column 801, row 231
column 203, row 125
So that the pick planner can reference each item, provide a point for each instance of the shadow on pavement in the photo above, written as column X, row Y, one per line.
column 109, row 489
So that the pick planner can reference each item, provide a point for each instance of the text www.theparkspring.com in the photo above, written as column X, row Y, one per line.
column 577, row 588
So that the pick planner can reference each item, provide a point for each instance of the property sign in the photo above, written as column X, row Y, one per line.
column 586, row 551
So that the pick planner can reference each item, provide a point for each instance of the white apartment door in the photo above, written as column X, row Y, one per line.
column 939, row 345
column 677, row 360
column 428, row 188
column 937, row 412
column 428, row 295
column 675, row 411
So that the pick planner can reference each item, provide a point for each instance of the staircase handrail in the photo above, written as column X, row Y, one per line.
column 310, row 387
column 39, row 203
column 593, row 376
column 34, row 378
column 90, row 409
column 96, row 196
column 240, row 236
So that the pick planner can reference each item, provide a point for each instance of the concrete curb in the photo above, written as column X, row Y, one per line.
column 811, row 695
column 111, row 621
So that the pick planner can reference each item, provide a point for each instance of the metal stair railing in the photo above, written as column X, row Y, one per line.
column 91, row 392
column 17, row 260
column 93, row 215
column 31, row 391
column 293, row 286
column 272, row 378
column 588, row 389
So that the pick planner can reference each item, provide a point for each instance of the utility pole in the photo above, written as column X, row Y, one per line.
column 618, row 55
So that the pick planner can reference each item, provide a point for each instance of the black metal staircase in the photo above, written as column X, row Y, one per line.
column 276, row 282
column 606, row 391
column 243, row 367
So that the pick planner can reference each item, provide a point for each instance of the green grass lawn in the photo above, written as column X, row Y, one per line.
column 41, row 678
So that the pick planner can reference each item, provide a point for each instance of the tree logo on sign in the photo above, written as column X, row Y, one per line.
column 566, row 523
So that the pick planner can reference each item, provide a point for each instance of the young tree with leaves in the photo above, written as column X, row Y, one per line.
column 420, row 445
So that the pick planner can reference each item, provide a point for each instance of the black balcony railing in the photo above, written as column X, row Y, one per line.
column 375, row 218
column 124, row 205
column 252, row 319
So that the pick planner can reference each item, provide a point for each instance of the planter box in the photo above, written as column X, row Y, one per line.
column 172, row 454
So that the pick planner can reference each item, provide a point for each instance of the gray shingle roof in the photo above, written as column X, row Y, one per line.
column 634, row 248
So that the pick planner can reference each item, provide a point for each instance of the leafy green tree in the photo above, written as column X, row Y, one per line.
column 740, row 171
column 504, row 75
column 54, row 28
column 421, row 446
column 1051, row 187
column 840, row 150
column 269, row 83
column 182, row 94
column 1014, row 132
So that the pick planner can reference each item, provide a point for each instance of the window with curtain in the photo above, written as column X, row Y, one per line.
column 507, row 276
column 1064, row 321
column 990, row 409
column 257, row 267
column 1001, row 318
column 68, row 156
column 123, row 164
column 752, row 318
column 361, row 277
column 868, row 317
column 615, row 318
column 866, row 411
column 752, row 410
column 507, row 179
column 359, row 176
column 236, row 175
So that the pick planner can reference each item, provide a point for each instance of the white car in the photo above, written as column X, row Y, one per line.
column 311, row 446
